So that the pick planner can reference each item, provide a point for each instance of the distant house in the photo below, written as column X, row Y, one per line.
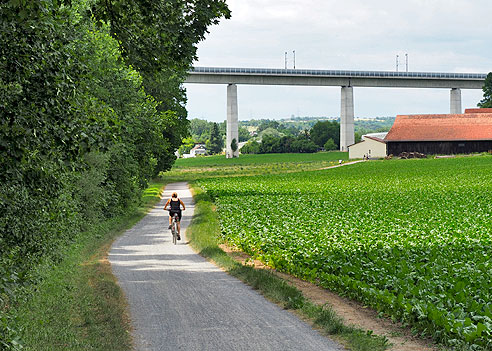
column 372, row 145
column 198, row 150
column 442, row 134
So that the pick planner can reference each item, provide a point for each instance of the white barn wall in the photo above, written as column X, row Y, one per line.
column 370, row 147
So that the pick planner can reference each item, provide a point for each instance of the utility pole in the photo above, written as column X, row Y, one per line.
column 286, row 60
column 294, row 58
column 406, row 61
column 397, row 56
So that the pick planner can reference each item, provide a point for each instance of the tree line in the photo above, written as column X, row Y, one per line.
column 323, row 135
column 294, row 134
column 91, row 108
column 269, row 136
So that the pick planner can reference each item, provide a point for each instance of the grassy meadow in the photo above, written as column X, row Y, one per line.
column 218, row 165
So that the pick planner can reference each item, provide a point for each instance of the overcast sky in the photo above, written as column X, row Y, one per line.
column 438, row 35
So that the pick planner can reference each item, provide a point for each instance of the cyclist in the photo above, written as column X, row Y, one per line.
column 175, row 204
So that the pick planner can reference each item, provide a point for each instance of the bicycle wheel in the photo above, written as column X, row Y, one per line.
column 175, row 232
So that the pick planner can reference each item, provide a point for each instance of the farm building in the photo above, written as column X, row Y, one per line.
column 198, row 150
column 442, row 134
column 371, row 146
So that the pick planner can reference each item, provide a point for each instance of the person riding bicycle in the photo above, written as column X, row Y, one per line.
column 175, row 204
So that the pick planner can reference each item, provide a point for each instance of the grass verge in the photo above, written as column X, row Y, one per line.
column 203, row 234
column 78, row 305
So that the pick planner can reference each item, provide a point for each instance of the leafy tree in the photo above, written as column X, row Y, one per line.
column 158, row 39
column 251, row 147
column 288, row 129
column 200, row 129
column 270, row 132
column 303, row 145
column 268, row 144
column 265, row 124
column 322, row 131
column 358, row 136
column 188, row 144
column 216, row 142
column 285, row 144
column 243, row 134
column 486, row 102
column 330, row 145
column 234, row 146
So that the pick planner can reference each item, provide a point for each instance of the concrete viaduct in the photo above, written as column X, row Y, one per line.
column 345, row 79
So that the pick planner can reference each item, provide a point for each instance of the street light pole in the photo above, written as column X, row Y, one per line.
column 286, row 60
column 294, row 58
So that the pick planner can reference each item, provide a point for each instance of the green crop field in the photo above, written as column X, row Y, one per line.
column 411, row 238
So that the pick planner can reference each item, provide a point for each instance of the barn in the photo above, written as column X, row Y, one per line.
column 442, row 134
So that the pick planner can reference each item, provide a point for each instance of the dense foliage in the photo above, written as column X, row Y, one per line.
column 324, row 131
column 293, row 126
column 233, row 146
column 410, row 238
column 285, row 144
column 79, row 133
column 215, row 143
column 204, row 132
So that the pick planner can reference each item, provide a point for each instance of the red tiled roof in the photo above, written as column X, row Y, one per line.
column 469, row 126
column 478, row 110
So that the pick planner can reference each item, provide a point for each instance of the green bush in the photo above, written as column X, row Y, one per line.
column 330, row 145
column 251, row 147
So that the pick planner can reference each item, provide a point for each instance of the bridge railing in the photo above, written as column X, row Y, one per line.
column 337, row 73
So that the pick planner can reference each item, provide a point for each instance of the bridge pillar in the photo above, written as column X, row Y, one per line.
column 347, row 118
column 455, row 105
column 232, row 121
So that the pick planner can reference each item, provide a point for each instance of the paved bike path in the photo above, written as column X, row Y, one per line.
column 180, row 301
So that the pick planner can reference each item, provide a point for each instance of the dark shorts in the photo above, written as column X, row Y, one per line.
column 172, row 212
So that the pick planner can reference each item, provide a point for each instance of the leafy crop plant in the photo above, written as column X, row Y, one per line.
column 410, row 238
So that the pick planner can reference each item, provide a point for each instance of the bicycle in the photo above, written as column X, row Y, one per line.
column 174, row 228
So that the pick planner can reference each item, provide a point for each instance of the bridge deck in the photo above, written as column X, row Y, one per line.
column 336, row 73
column 312, row 77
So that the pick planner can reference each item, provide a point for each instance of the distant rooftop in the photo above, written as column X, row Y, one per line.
column 478, row 110
column 450, row 127
column 380, row 136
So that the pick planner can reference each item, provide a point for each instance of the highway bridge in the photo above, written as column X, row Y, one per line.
column 344, row 78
